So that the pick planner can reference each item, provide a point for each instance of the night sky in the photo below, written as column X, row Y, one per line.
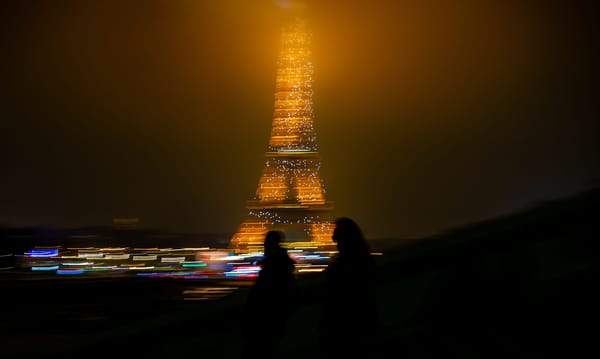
column 429, row 114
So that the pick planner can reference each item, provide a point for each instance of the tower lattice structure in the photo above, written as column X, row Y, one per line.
column 290, row 194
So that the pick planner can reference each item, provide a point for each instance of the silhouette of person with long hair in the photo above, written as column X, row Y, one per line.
column 349, row 317
column 270, row 299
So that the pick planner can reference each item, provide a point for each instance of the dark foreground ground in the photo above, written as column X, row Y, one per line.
column 522, row 286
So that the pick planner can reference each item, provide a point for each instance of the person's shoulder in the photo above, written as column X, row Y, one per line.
column 290, row 260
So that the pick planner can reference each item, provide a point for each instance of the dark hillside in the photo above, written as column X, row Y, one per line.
column 517, row 286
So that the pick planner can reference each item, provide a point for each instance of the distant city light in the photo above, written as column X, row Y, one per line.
column 42, row 252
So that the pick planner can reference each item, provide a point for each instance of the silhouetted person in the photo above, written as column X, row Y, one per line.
column 349, row 317
column 270, row 299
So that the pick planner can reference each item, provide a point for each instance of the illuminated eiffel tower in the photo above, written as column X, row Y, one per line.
column 290, row 194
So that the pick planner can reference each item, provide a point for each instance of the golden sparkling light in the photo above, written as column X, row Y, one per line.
column 290, row 190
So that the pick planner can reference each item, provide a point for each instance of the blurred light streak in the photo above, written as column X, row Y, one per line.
column 117, row 256
column 305, row 265
column 145, row 257
column 42, row 253
column 101, row 268
column 193, row 264
column 244, row 272
column 77, row 263
column 306, row 270
column 70, row 271
column 207, row 293
column 90, row 255
column 44, row 268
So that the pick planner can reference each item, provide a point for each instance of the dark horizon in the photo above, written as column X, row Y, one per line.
column 48, row 233
column 429, row 116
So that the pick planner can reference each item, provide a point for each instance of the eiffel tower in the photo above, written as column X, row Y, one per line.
column 290, row 194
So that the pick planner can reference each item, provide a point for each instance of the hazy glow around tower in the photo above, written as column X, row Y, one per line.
column 290, row 4
column 292, row 128
column 290, row 192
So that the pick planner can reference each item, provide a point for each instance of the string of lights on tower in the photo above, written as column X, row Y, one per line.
column 290, row 194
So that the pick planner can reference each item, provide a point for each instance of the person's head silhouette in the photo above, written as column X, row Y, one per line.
column 272, row 242
column 349, row 237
